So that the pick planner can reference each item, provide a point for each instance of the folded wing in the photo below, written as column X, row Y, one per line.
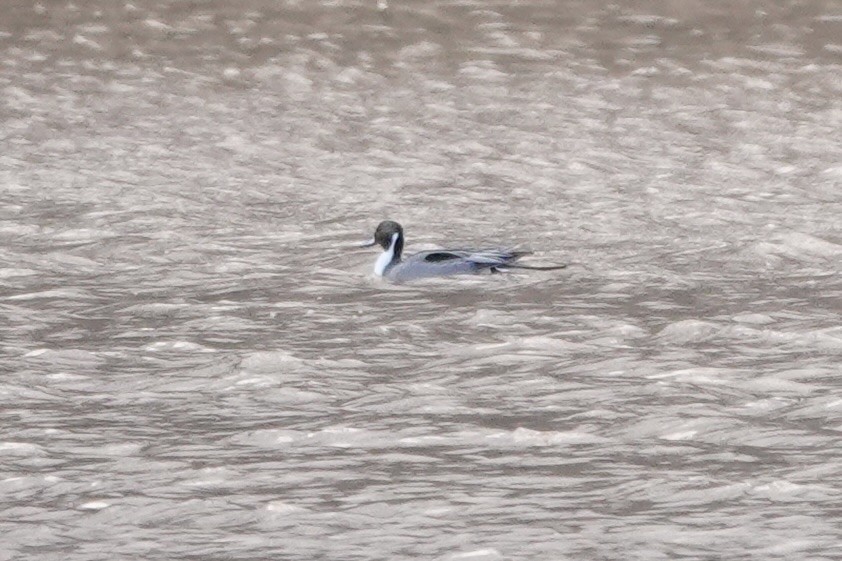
column 483, row 257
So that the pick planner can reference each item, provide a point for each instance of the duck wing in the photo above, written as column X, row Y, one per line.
column 446, row 262
column 481, row 257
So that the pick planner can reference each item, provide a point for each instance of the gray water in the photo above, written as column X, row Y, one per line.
column 196, row 363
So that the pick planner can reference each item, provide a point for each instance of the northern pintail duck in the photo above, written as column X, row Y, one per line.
column 438, row 262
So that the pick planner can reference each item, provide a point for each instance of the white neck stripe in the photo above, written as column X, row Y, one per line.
column 386, row 257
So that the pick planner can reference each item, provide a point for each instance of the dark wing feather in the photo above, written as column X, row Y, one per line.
column 439, row 256
column 482, row 257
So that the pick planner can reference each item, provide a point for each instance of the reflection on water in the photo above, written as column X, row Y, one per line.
column 196, row 364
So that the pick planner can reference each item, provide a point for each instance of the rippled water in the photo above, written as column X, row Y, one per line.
column 196, row 364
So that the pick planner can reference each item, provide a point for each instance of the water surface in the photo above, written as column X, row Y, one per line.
column 196, row 366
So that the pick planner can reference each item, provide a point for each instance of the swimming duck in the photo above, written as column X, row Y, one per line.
column 438, row 262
